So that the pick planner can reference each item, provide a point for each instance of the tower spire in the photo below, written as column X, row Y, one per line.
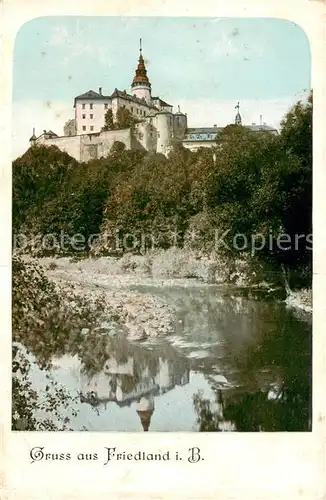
column 141, row 86
column 33, row 138
column 238, row 119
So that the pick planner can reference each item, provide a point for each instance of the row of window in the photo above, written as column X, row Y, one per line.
column 91, row 116
column 91, row 106
column 201, row 136
column 91, row 128
column 138, row 111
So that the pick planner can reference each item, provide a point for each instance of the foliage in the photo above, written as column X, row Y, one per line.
column 47, row 324
column 252, row 183
column 124, row 119
column 108, row 121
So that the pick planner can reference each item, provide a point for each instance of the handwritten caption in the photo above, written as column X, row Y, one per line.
column 108, row 455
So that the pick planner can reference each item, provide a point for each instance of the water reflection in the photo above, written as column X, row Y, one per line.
column 132, row 374
column 231, row 364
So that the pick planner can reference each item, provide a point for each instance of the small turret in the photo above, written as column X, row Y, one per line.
column 179, row 125
column 164, row 125
column 32, row 140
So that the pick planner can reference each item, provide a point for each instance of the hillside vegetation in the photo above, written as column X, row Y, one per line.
column 257, row 185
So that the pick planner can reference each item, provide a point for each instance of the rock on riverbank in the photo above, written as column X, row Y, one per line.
column 140, row 315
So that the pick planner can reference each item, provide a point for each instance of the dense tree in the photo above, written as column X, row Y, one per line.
column 255, row 184
column 124, row 119
column 109, row 121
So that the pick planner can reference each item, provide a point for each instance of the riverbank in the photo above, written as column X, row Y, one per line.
column 145, row 316
column 140, row 315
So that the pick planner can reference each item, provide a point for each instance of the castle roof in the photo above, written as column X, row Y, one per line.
column 211, row 133
column 261, row 128
column 124, row 95
column 161, row 102
column 164, row 112
column 91, row 94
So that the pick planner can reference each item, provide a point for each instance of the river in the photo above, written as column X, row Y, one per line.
column 230, row 363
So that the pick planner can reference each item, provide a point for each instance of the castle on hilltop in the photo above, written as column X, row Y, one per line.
column 156, row 127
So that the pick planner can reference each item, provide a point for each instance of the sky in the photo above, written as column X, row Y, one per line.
column 205, row 65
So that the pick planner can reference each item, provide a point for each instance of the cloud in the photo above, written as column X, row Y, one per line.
column 228, row 43
column 225, row 45
column 208, row 112
column 39, row 115
column 77, row 45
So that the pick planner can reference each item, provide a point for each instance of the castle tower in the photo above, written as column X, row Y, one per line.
column 238, row 119
column 141, row 86
column 179, row 125
column 164, row 125
column 145, row 409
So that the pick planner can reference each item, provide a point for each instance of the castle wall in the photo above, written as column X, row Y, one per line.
column 89, row 146
column 145, row 137
column 70, row 145
column 94, row 146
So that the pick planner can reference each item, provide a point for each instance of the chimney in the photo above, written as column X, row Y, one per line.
column 100, row 90
column 261, row 120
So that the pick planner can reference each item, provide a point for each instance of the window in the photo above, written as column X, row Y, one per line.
column 84, row 128
column 83, row 116
column 91, row 117
column 91, row 106
column 132, row 109
column 92, row 127
column 83, row 106
column 105, row 106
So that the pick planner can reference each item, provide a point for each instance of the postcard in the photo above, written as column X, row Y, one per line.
column 162, row 262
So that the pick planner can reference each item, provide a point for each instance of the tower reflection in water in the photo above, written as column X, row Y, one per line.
column 132, row 375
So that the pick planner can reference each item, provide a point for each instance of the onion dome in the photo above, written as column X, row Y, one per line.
column 141, row 77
